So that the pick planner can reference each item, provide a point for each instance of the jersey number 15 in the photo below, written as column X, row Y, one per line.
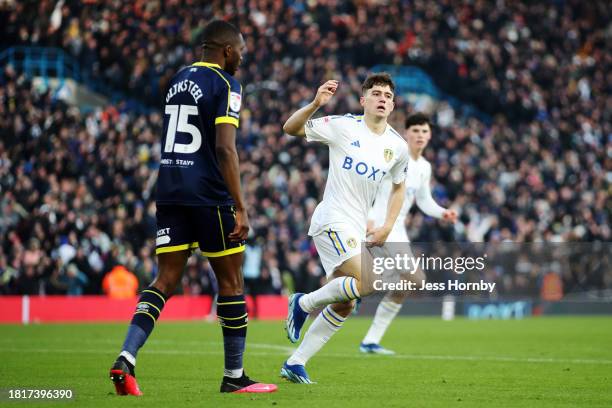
column 179, row 122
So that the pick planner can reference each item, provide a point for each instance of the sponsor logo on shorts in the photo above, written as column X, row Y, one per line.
column 163, row 237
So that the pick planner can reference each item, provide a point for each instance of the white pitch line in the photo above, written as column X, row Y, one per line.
column 263, row 346
column 106, row 352
column 505, row 359
column 283, row 351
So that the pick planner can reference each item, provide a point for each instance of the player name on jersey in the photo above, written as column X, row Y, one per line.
column 185, row 86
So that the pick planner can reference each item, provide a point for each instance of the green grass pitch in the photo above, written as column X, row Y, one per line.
column 550, row 362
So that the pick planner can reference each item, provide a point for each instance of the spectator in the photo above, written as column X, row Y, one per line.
column 74, row 280
column 120, row 283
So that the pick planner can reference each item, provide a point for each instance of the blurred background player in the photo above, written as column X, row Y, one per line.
column 362, row 150
column 418, row 180
column 199, row 204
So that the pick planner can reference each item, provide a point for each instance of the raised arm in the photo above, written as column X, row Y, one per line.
column 295, row 125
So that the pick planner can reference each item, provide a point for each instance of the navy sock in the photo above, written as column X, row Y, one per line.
column 148, row 309
column 232, row 314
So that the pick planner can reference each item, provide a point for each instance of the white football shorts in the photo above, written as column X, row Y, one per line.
column 337, row 244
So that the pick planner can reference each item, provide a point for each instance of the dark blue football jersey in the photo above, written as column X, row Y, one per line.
column 199, row 97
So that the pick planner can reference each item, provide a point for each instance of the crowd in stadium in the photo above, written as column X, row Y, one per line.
column 76, row 187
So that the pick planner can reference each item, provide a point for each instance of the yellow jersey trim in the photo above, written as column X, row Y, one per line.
column 226, row 119
column 226, row 252
column 336, row 241
column 341, row 247
column 221, row 226
column 206, row 64
column 229, row 88
column 214, row 68
column 176, row 248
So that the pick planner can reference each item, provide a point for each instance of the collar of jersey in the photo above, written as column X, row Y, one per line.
column 206, row 64
column 372, row 133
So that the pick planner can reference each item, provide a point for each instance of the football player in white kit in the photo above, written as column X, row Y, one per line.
column 362, row 151
column 418, row 180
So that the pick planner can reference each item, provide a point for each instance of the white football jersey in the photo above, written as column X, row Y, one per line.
column 418, row 180
column 358, row 161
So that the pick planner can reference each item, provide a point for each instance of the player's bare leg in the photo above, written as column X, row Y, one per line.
column 387, row 310
column 148, row 309
column 338, row 295
column 171, row 266
column 233, row 317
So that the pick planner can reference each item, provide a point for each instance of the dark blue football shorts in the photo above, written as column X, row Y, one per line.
column 181, row 227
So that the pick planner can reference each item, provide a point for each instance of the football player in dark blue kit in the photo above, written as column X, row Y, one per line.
column 199, row 204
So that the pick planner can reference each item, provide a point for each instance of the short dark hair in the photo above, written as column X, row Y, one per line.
column 219, row 33
column 379, row 78
column 418, row 118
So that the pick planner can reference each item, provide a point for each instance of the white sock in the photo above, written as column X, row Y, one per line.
column 334, row 291
column 237, row 373
column 320, row 331
column 129, row 357
column 385, row 313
